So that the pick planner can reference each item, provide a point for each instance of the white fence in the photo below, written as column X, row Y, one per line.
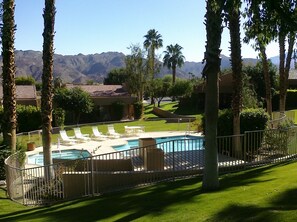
column 143, row 166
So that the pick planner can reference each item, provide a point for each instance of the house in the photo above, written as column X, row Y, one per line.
column 292, row 81
column 225, row 91
column 25, row 95
column 104, row 96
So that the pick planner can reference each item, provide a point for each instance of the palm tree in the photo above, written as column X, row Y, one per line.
column 213, row 21
column 8, row 75
column 153, row 41
column 233, row 10
column 47, row 79
column 173, row 58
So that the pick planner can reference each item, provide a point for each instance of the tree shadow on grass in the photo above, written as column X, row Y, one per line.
column 285, row 201
column 133, row 204
column 250, row 176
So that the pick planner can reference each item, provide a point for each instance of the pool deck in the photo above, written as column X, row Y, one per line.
column 96, row 147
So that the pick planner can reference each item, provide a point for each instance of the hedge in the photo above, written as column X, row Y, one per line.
column 250, row 119
column 28, row 118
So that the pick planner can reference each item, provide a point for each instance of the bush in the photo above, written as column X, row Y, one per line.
column 278, row 140
column 250, row 119
column 138, row 109
column 25, row 114
column 290, row 100
column 59, row 117
column 24, row 80
column 31, row 114
column 4, row 153
column 225, row 122
column 117, row 110
column 253, row 119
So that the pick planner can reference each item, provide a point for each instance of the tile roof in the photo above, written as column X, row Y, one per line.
column 102, row 90
column 23, row 92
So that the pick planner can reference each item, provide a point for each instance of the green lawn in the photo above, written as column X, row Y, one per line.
column 262, row 194
column 150, row 122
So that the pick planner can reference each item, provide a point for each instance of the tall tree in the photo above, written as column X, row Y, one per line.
column 135, row 69
column 233, row 16
column 270, row 20
column 285, row 32
column 213, row 21
column 115, row 76
column 256, row 28
column 173, row 58
column 8, row 75
column 75, row 100
column 153, row 41
column 47, row 79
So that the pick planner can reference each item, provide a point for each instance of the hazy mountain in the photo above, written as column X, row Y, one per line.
column 81, row 68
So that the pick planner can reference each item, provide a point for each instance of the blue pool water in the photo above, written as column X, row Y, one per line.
column 180, row 143
column 63, row 154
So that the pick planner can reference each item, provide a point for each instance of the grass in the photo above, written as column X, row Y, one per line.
column 150, row 122
column 261, row 194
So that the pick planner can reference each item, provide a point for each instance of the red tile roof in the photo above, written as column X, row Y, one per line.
column 102, row 90
column 23, row 92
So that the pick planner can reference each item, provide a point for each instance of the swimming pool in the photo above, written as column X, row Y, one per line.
column 63, row 154
column 169, row 143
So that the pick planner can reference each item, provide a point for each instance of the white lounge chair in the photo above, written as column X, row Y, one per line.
column 67, row 139
column 111, row 132
column 79, row 135
column 97, row 134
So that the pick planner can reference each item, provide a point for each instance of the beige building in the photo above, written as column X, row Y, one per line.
column 106, row 95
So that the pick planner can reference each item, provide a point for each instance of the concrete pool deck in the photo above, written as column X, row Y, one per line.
column 96, row 147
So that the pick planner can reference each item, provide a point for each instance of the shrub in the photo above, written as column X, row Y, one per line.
column 253, row 119
column 25, row 114
column 290, row 100
column 138, row 110
column 117, row 110
column 250, row 119
column 4, row 153
column 31, row 114
column 59, row 117
column 225, row 122
column 24, row 80
column 279, row 139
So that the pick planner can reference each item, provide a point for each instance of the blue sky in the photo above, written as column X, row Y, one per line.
column 96, row 26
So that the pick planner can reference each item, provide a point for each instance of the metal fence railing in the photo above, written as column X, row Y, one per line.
column 68, row 179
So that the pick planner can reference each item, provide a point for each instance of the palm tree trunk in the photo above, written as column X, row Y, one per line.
column 8, row 76
column 47, row 78
column 173, row 80
column 152, row 65
column 173, row 74
column 213, row 20
column 236, row 62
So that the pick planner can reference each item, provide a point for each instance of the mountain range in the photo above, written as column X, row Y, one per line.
column 82, row 68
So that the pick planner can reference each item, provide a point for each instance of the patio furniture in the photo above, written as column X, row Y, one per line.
column 80, row 136
column 111, row 132
column 97, row 135
column 67, row 139
column 133, row 130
